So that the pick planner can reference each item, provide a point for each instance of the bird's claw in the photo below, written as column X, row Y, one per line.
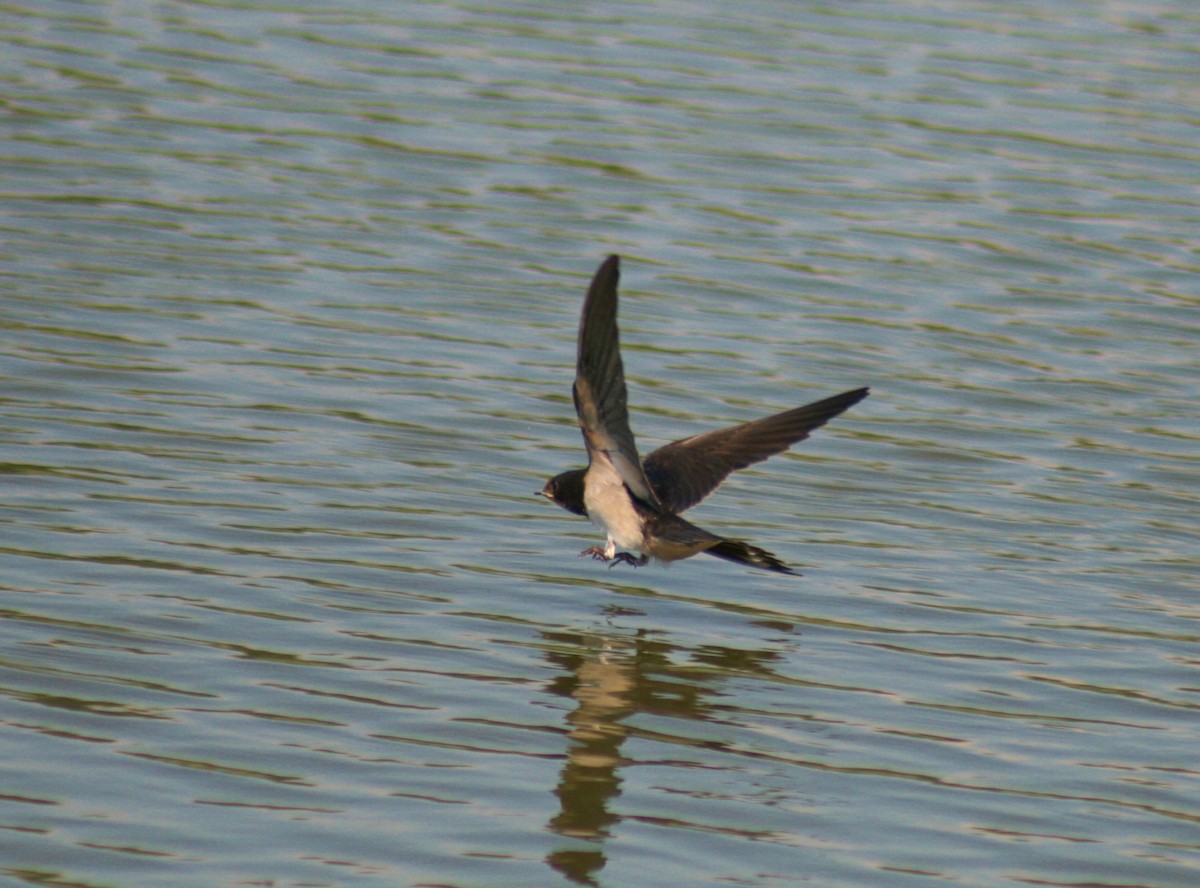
column 599, row 554
column 628, row 559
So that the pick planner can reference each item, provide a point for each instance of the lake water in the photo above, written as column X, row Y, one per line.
column 288, row 300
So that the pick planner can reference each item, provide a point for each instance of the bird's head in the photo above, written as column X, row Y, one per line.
column 566, row 490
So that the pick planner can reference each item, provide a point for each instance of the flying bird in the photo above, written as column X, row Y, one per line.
column 636, row 503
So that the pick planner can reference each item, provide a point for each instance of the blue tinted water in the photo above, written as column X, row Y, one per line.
column 288, row 304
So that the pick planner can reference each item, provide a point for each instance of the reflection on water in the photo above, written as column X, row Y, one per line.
column 288, row 306
column 610, row 678
column 603, row 688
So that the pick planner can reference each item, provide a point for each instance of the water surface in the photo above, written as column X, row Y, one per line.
column 288, row 304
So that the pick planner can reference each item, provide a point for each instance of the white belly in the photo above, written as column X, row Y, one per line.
column 609, row 506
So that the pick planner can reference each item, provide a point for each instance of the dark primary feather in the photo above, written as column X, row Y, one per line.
column 744, row 553
column 599, row 390
column 684, row 472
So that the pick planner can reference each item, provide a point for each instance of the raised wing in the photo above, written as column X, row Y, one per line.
column 599, row 390
column 686, row 471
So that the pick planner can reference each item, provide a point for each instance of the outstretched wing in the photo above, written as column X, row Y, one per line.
column 599, row 390
column 686, row 471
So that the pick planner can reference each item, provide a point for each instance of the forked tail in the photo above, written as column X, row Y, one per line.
column 744, row 553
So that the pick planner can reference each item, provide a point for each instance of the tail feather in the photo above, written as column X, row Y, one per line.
column 752, row 556
column 672, row 538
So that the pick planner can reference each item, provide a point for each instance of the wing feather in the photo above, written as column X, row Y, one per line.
column 599, row 390
column 686, row 471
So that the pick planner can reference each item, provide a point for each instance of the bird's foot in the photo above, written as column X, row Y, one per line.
column 628, row 559
column 599, row 553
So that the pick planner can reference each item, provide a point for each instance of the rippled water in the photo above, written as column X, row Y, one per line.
column 288, row 300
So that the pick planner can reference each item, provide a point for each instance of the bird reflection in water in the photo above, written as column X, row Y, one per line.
column 610, row 678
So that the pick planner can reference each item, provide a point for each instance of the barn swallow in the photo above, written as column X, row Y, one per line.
column 638, row 503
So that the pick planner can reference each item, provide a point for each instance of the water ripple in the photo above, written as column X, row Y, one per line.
column 289, row 299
